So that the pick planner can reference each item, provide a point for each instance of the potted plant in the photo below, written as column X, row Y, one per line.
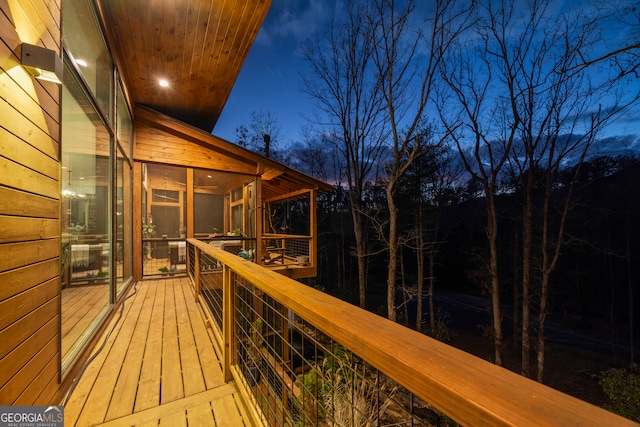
column 102, row 274
column 148, row 230
column 164, row 270
column 255, row 352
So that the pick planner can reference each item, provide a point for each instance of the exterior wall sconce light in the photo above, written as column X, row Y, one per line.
column 42, row 63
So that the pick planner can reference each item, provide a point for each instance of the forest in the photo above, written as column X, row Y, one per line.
column 472, row 149
column 594, row 286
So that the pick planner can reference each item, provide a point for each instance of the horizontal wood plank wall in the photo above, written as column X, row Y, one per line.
column 29, row 210
column 157, row 146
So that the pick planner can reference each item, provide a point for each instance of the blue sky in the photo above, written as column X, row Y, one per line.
column 270, row 78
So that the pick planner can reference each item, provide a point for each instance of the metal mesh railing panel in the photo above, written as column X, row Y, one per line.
column 300, row 377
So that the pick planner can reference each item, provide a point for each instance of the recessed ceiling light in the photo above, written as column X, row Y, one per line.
column 81, row 62
column 164, row 83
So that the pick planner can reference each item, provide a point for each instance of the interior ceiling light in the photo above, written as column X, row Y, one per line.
column 81, row 62
column 164, row 83
column 41, row 63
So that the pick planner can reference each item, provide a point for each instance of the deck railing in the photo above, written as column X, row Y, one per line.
column 284, row 249
column 305, row 358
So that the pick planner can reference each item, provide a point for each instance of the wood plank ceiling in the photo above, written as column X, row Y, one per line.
column 197, row 46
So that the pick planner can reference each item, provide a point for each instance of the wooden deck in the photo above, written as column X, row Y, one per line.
column 158, row 367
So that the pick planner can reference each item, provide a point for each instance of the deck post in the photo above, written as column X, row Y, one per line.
column 196, row 270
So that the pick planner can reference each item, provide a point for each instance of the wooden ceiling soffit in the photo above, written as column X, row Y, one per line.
column 294, row 195
column 269, row 173
column 198, row 46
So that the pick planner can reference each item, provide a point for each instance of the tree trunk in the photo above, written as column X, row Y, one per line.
column 526, row 279
column 393, row 255
column 542, row 317
column 360, row 256
column 405, row 297
column 630, row 291
column 420, row 270
column 432, row 279
column 492, row 234
column 516, row 294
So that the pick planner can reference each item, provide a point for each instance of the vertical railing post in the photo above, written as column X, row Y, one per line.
column 228, row 293
column 284, row 250
column 196, row 268
column 313, row 231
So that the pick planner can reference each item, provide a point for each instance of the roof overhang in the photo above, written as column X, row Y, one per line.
column 197, row 46
column 277, row 178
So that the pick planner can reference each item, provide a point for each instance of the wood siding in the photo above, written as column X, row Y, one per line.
column 29, row 209
column 158, row 146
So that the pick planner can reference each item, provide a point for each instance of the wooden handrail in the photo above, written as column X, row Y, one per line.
column 468, row 389
column 285, row 236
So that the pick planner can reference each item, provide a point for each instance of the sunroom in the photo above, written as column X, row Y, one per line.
column 200, row 186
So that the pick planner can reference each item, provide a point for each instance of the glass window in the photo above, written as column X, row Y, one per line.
column 123, row 221
column 165, row 196
column 84, row 41
column 208, row 214
column 85, row 217
column 165, row 188
column 124, row 128
column 236, row 195
column 236, row 219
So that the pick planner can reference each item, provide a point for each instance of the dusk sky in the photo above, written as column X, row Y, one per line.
column 270, row 80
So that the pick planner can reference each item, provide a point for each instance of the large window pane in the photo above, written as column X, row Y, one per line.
column 85, row 218
column 85, row 43
column 124, row 130
column 165, row 190
column 124, row 194
column 209, row 214
column 124, row 238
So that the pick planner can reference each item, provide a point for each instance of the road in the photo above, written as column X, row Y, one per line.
column 467, row 312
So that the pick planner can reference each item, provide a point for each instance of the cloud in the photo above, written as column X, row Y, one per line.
column 618, row 145
column 293, row 19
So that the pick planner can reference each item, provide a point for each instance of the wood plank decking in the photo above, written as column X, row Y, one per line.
column 159, row 367
column 81, row 306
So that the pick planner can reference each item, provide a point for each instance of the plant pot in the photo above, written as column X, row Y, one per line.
column 252, row 374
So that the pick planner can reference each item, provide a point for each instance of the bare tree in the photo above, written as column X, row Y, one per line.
column 622, row 53
column 346, row 89
column 407, row 57
column 262, row 135
column 545, row 117
column 433, row 182
column 561, row 118
column 482, row 121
